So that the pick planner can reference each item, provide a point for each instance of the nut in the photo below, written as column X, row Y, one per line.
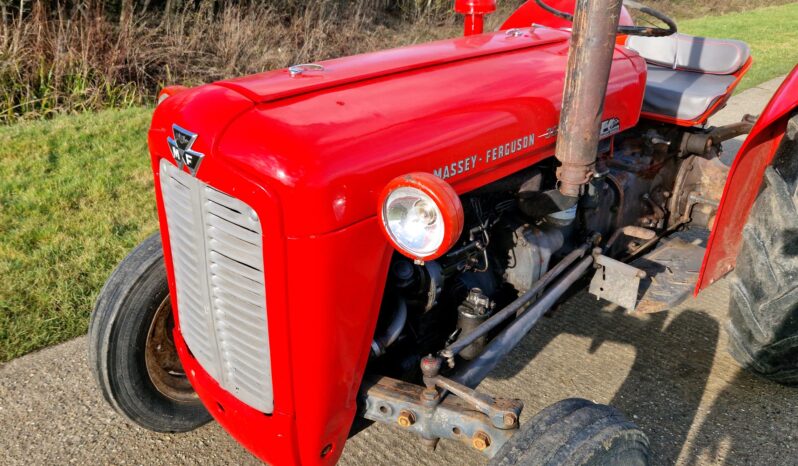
column 429, row 394
column 509, row 420
column 406, row 418
column 480, row 441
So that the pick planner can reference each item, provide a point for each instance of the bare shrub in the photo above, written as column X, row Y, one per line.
column 60, row 56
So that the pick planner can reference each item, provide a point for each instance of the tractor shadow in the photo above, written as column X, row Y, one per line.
column 678, row 361
column 751, row 421
column 672, row 362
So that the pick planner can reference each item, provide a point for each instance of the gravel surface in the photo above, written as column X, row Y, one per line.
column 668, row 372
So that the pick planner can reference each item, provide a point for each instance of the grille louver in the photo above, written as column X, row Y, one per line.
column 221, row 293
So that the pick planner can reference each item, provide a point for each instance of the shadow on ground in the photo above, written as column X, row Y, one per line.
column 681, row 388
column 668, row 376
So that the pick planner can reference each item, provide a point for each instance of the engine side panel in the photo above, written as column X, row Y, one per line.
column 744, row 180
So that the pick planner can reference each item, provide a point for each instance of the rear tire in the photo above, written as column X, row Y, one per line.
column 130, row 349
column 763, row 324
column 576, row 432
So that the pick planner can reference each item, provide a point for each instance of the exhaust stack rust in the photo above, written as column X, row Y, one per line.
column 589, row 60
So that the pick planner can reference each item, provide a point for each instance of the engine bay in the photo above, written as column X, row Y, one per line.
column 632, row 200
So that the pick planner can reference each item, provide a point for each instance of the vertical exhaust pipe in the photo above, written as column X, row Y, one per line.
column 589, row 59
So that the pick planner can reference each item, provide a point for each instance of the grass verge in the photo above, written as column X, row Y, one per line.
column 76, row 194
column 770, row 32
column 75, row 197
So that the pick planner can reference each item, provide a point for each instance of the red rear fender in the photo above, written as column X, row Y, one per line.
column 744, row 181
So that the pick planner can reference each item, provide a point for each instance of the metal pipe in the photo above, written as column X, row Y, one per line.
column 474, row 11
column 473, row 24
column 379, row 344
column 586, row 77
column 701, row 143
column 515, row 306
column 476, row 370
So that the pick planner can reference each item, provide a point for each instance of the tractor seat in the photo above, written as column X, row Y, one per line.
column 688, row 75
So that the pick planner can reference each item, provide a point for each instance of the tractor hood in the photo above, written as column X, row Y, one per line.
column 271, row 86
column 325, row 142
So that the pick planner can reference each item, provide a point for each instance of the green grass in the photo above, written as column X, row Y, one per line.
column 76, row 194
column 771, row 32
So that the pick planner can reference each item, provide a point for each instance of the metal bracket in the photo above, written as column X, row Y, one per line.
column 616, row 282
column 502, row 412
column 296, row 70
column 392, row 401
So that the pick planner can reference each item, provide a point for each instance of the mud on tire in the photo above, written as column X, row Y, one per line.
column 763, row 311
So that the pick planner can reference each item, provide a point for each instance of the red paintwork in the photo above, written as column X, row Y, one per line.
column 275, row 85
column 744, row 181
column 474, row 12
column 720, row 103
column 444, row 196
column 340, row 147
column 530, row 13
column 311, row 156
column 169, row 91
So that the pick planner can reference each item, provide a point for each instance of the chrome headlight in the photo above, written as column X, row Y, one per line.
column 422, row 215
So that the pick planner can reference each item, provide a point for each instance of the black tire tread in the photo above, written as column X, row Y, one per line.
column 763, row 309
column 571, row 432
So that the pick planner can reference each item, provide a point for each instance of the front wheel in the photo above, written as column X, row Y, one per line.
column 763, row 311
column 131, row 351
column 576, row 432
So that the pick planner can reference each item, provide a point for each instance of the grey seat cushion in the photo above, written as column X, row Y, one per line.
column 692, row 53
column 685, row 95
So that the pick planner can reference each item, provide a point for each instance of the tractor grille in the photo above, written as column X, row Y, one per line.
column 217, row 256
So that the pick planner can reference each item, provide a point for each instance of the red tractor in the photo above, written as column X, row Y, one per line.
column 367, row 237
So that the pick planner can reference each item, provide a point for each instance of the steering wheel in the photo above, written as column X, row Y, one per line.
column 628, row 30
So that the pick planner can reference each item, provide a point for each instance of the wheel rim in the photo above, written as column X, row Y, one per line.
column 160, row 356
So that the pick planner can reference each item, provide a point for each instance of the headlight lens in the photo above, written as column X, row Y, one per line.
column 414, row 221
column 421, row 215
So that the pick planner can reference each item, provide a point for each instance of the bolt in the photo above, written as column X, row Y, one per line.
column 406, row 418
column 480, row 440
column 429, row 394
column 509, row 419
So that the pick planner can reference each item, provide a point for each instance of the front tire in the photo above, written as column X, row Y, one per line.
column 576, row 432
column 131, row 352
column 763, row 311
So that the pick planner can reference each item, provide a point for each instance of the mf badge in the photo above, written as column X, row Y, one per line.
column 180, row 145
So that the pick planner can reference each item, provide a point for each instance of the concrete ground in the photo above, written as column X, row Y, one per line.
column 668, row 372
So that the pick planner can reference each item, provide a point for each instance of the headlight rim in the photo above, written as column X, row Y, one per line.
column 443, row 196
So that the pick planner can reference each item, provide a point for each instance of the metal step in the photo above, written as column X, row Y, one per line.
column 671, row 273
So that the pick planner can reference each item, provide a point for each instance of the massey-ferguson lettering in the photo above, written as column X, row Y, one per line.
column 367, row 237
